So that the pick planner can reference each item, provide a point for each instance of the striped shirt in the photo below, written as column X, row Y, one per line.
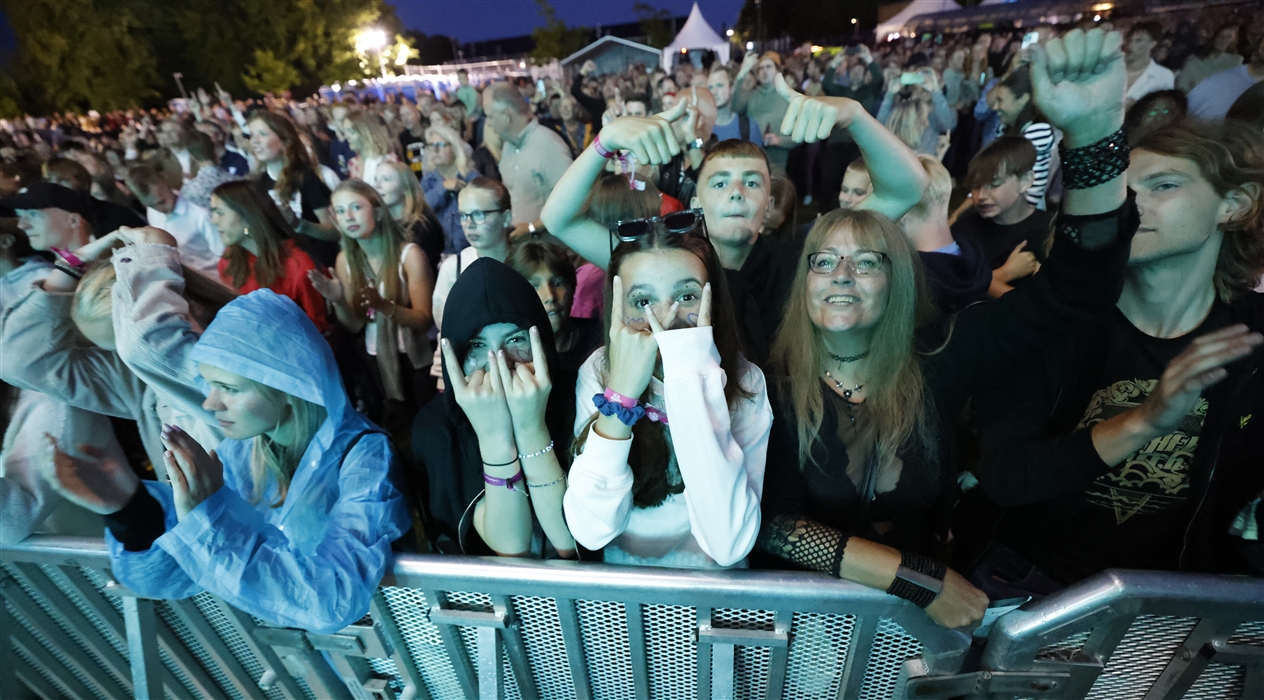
column 1042, row 136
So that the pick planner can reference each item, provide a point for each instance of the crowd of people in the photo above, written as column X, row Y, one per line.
column 265, row 345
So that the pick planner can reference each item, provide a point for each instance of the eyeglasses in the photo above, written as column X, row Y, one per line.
column 438, row 146
column 862, row 263
column 478, row 216
column 680, row 222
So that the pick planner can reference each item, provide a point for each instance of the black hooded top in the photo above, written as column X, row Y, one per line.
column 957, row 281
column 445, row 447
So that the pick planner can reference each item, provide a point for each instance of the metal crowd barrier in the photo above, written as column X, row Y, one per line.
column 446, row 628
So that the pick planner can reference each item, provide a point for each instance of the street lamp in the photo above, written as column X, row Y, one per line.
column 729, row 33
column 372, row 40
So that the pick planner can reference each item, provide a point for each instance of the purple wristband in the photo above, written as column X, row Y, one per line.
column 600, row 149
column 507, row 483
column 625, row 401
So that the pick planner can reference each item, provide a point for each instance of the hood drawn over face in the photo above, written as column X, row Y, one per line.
column 267, row 338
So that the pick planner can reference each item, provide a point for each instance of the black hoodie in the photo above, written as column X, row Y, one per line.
column 957, row 281
column 445, row 449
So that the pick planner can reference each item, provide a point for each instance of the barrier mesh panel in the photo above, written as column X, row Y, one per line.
column 1064, row 649
column 481, row 602
column 1140, row 657
column 603, row 627
column 39, row 670
column 819, row 645
column 1249, row 633
column 891, row 647
column 1217, row 682
column 671, row 652
column 236, row 645
column 80, row 652
column 59, row 577
column 190, row 642
column 411, row 611
column 542, row 635
column 751, row 665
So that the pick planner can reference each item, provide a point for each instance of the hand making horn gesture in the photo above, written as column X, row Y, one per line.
column 481, row 395
column 651, row 140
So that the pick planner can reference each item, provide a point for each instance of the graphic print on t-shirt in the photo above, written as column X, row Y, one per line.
column 1154, row 478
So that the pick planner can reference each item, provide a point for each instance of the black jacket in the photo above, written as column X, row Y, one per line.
column 445, row 447
column 1032, row 453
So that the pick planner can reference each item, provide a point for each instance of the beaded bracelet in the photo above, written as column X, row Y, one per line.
column 1096, row 163
column 558, row 480
column 919, row 579
column 537, row 453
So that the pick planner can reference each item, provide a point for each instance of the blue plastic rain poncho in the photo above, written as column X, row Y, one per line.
column 316, row 561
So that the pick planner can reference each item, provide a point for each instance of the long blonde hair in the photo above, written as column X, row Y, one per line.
column 269, row 457
column 910, row 116
column 462, row 154
column 897, row 395
column 415, row 206
column 383, row 225
column 372, row 134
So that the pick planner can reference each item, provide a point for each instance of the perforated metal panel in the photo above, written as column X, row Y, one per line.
column 110, row 683
column 1249, row 633
column 751, row 665
column 819, row 645
column 1063, row 650
column 671, row 652
column 1218, row 682
column 481, row 602
column 410, row 609
column 891, row 647
column 237, row 646
column 546, row 650
column 1140, row 657
column 604, row 630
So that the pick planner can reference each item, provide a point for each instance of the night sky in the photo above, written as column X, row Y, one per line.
column 477, row 20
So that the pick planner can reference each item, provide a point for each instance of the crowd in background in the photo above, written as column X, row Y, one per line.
column 856, row 311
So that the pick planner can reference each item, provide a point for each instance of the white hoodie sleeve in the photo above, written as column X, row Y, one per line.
column 721, row 456
column 598, row 496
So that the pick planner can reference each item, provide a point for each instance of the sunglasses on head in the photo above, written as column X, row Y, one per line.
column 680, row 222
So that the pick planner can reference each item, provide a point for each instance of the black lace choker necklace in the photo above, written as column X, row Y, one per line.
column 842, row 359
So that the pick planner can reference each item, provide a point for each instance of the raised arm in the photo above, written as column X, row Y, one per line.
column 898, row 177
column 650, row 140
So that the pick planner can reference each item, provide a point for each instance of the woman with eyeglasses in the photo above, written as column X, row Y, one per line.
column 672, row 421
column 863, row 467
column 486, row 217
column 449, row 168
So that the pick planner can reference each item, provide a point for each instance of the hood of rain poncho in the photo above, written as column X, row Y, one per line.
column 444, row 442
column 265, row 337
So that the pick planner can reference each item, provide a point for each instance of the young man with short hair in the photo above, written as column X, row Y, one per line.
column 52, row 216
column 1011, row 231
column 1145, row 75
column 199, row 242
column 728, row 123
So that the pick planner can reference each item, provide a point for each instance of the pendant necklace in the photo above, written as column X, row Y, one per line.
column 839, row 385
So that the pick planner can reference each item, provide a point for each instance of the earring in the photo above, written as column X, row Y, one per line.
column 245, row 231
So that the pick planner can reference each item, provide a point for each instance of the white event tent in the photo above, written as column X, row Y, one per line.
column 696, row 34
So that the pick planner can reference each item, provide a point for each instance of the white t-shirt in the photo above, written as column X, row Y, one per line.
column 197, row 240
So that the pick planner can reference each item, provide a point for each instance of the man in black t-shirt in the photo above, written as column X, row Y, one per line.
column 413, row 137
column 1139, row 444
column 1011, row 231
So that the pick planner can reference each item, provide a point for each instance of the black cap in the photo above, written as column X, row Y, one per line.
column 46, row 195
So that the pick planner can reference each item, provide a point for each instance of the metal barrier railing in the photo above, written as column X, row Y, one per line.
column 459, row 627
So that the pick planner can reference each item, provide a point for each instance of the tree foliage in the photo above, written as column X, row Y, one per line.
column 804, row 20
column 109, row 54
column 654, row 23
column 555, row 39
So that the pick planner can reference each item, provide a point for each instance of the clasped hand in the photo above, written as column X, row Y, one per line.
column 195, row 474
